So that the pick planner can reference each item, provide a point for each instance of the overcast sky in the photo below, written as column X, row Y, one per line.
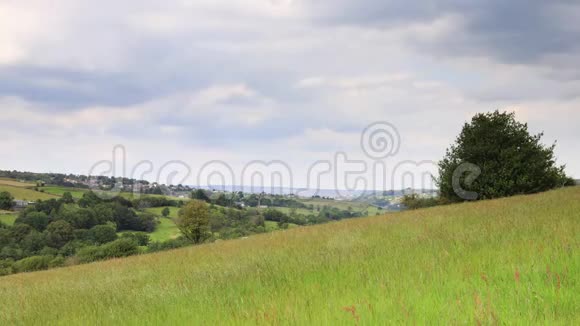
column 289, row 80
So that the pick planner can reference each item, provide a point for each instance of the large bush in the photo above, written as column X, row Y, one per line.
column 33, row 263
column 102, row 234
column 37, row 220
column 6, row 200
column 118, row 248
column 496, row 156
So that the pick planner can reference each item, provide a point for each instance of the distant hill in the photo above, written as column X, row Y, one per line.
column 507, row 261
column 331, row 193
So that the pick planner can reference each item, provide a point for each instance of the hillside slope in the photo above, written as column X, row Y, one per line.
column 502, row 261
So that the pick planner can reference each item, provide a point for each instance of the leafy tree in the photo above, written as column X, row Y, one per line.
column 496, row 156
column 147, row 222
column 47, row 206
column 193, row 221
column 79, row 218
column 33, row 242
column 20, row 231
column 141, row 238
column 200, row 194
column 222, row 200
column 6, row 200
column 102, row 234
column 67, row 198
column 58, row 233
column 165, row 212
column 275, row 215
column 38, row 220
column 89, row 199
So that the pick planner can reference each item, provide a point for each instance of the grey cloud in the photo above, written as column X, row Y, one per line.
column 515, row 31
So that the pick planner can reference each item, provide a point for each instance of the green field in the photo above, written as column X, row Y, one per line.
column 23, row 190
column 25, row 193
column 288, row 210
column 273, row 226
column 16, row 183
column 7, row 218
column 355, row 206
column 166, row 229
column 59, row 191
column 508, row 261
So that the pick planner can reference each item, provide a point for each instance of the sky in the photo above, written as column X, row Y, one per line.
column 238, row 83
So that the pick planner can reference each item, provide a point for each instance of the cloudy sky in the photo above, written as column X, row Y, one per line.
column 288, row 80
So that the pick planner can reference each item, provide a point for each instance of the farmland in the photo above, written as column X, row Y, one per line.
column 23, row 190
column 504, row 261
column 59, row 191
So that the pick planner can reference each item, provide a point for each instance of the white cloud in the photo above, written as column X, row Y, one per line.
column 269, row 78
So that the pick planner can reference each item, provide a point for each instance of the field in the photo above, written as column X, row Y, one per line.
column 166, row 229
column 355, row 206
column 16, row 183
column 23, row 190
column 509, row 261
column 7, row 218
column 59, row 191
column 25, row 193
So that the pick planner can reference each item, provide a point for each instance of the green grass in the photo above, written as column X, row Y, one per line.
column 287, row 210
column 166, row 229
column 509, row 261
column 23, row 190
column 16, row 183
column 25, row 193
column 273, row 226
column 356, row 206
column 7, row 218
column 59, row 191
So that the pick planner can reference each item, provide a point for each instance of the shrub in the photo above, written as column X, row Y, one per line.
column 118, row 248
column 33, row 263
column 6, row 267
column 414, row 201
column 102, row 234
column 58, row 261
column 89, row 254
column 169, row 244
column 141, row 238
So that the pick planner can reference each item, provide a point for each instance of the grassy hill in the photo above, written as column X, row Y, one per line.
column 511, row 261
column 23, row 191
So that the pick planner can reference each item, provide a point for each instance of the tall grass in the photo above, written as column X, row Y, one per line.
column 505, row 261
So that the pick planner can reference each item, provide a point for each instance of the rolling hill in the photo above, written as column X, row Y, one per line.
column 23, row 190
column 504, row 261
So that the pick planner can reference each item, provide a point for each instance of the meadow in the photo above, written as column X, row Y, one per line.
column 77, row 193
column 166, row 229
column 23, row 193
column 507, row 261
column 7, row 217
column 23, row 190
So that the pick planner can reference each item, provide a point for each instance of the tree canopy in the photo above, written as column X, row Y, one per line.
column 6, row 200
column 193, row 221
column 496, row 156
